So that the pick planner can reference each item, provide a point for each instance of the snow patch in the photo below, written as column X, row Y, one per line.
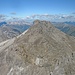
column 22, row 33
column 37, row 61
column 10, row 72
column 2, row 43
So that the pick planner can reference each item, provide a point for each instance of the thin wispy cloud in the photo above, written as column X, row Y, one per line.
column 13, row 13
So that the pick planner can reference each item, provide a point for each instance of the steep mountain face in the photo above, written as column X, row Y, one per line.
column 65, row 27
column 41, row 50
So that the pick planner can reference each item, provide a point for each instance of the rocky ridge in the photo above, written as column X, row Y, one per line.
column 42, row 50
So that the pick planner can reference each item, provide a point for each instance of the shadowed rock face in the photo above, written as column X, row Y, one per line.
column 42, row 50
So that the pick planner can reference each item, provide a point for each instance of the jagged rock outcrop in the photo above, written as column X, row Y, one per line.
column 42, row 50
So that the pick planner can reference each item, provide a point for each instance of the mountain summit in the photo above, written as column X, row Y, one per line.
column 41, row 50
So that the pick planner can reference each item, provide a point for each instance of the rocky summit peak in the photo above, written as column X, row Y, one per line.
column 41, row 27
column 36, row 22
column 42, row 22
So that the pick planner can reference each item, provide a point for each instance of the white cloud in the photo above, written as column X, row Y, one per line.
column 28, row 17
column 48, row 17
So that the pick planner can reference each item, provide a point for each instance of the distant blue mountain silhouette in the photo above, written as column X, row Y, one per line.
column 1, row 23
column 70, row 23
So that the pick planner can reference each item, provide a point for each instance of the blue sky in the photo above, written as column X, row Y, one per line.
column 54, row 10
column 28, row 7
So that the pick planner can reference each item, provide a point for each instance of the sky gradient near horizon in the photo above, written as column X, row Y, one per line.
column 22, row 8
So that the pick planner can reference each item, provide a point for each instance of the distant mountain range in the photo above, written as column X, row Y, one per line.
column 3, row 23
column 9, row 31
column 66, row 27
column 14, row 28
column 70, row 23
